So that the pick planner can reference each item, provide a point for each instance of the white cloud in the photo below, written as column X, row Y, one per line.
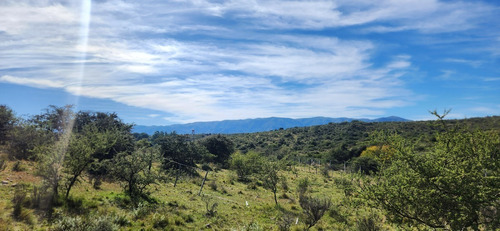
column 32, row 82
column 148, row 54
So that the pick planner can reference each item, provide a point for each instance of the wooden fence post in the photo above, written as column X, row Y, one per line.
column 202, row 183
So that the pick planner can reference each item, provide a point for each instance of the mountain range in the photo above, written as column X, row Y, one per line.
column 252, row 125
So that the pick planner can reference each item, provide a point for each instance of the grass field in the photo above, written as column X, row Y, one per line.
column 239, row 206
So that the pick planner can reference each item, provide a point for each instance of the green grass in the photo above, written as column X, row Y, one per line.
column 180, row 207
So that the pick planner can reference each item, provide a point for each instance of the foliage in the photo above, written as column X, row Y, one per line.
column 303, row 186
column 451, row 186
column 314, row 208
column 118, row 138
column 365, row 164
column 368, row 223
column 219, row 146
column 382, row 153
column 56, row 120
column 178, row 148
column 340, row 142
column 18, row 166
column 3, row 162
column 85, row 223
column 50, row 166
column 210, row 206
column 25, row 137
column 85, row 148
column 7, row 121
column 135, row 171
column 20, row 203
column 270, row 177
column 246, row 164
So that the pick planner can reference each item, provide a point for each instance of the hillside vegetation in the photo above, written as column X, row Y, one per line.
column 67, row 170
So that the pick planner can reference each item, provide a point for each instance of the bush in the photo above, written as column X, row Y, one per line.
column 213, row 185
column 3, row 163
column 92, row 223
column 142, row 210
column 20, row 201
column 285, row 221
column 314, row 209
column 365, row 164
column 303, row 186
column 445, row 188
column 18, row 167
column 160, row 221
column 368, row 223
column 246, row 164
column 209, row 206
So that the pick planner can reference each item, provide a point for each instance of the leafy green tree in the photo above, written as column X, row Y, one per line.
column 220, row 146
column 135, row 171
column 83, row 150
column 25, row 137
column 271, row 178
column 7, row 121
column 455, row 185
column 50, row 166
column 121, row 140
column 179, row 148
column 57, row 120
column 365, row 164
column 246, row 165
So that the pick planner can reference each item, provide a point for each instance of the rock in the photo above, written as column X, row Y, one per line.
column 5, row 182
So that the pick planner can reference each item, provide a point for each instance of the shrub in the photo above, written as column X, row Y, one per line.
column 20, row 201
column 285, row 221
column 121, row 220
column 142, row 210
column 365, row 164
column 213, row 185
column 246, row 164
column 303, row 186
column 18, row 167
column 209, row 206
column 345, row 185
column 446, row 187
column 3, row 163
column 86, row 223
column 160, row 221
column 314, row 209
column 368, row 223
column 284, row 184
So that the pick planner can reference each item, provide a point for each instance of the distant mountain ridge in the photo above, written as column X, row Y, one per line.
column 252, row 125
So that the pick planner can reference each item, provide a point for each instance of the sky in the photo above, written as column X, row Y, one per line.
column 170, row 62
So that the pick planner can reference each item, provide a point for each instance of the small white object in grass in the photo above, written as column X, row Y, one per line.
column 297, row 221
column 246, row 202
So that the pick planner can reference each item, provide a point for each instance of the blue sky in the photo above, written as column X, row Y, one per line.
column 166, row 62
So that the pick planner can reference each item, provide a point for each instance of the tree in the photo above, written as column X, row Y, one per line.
column 135, row 171
column 270, row 177
column 83, row 150
column 220, row 146
column 7, row 120
column 25, row 137
column 365, row 164
column 178, row 148
column 455, row 185
column 50, row 165
column 246, row 165
column 122, row 140
column 57, row 120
